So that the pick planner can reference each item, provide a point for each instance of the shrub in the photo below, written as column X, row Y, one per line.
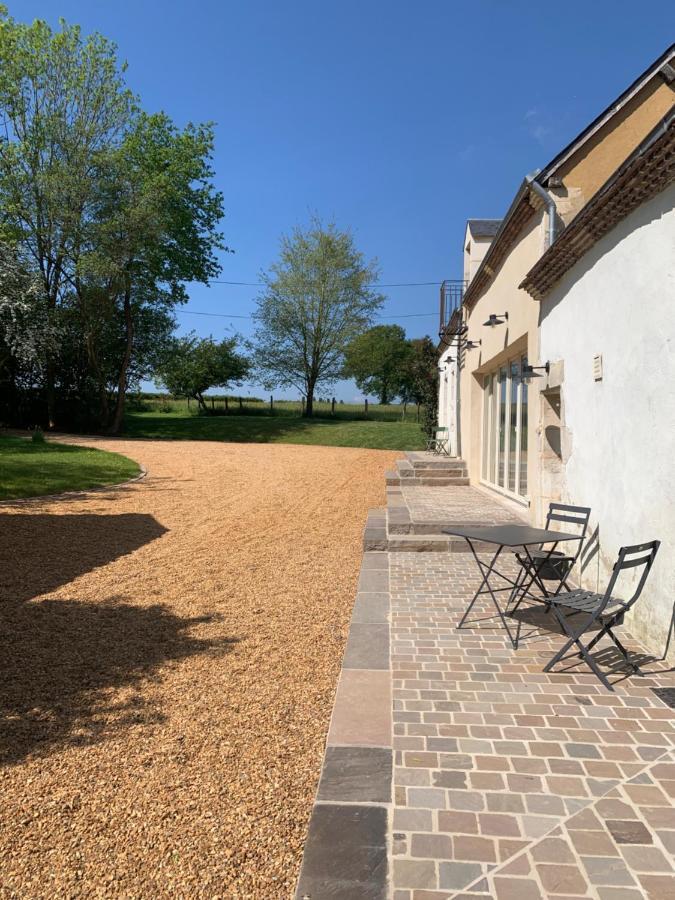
column 38, row 436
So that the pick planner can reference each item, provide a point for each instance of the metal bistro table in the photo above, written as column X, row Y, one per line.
column 508, row 536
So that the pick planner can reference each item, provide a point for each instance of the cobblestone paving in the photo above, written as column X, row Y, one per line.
column 510, row 782
column 457, row 503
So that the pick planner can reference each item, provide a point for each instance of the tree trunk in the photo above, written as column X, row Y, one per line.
column 118, row 415
column 51, row 393
column 309, row 403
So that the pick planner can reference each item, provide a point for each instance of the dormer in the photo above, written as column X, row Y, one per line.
column 478, row 237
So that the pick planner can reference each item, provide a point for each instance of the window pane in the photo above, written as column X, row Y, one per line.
column 513, row 424
column 487, row 399
column 523, row 436
column 502, row 425
column 493, row 419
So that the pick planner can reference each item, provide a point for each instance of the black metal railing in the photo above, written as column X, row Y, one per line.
column 452, row 292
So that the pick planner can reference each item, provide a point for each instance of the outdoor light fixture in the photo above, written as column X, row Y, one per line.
column 496, row 319
column 529, row 371
column 471, row 345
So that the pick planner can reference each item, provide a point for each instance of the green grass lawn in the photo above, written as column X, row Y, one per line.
column 29, row 470
column 285, row 429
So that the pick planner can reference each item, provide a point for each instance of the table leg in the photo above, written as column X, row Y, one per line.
column 487, row 571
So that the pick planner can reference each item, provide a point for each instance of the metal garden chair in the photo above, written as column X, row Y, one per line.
column 550, row 565
column 439, row 442
column 604, row 609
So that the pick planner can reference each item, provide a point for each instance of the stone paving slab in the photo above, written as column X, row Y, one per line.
column 346, row 851
column 346, row 854
column 493, row 757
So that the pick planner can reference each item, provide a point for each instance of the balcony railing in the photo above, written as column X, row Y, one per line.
column 452, row 292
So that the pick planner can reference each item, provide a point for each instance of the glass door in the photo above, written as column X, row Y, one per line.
column 504, row 429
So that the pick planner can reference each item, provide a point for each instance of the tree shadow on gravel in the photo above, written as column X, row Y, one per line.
column 41, row 552
column 62, row 663
column 72, row 671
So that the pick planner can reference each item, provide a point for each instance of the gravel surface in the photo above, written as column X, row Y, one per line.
column 169, row 653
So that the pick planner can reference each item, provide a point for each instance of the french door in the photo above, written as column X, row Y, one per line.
column 504, row 432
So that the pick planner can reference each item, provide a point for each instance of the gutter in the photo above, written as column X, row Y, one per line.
column 550, row 207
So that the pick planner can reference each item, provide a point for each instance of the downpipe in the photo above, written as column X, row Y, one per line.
column 550, row 208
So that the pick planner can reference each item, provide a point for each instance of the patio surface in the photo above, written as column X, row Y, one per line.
column 465, row 504
column 510, row 782
column 506, row 782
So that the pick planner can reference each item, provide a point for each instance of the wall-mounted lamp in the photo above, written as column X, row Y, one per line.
column 496, row 319
column 471, row 345
column 529, row 371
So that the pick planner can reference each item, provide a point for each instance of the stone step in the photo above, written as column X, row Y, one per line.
column 435, row 481
column 431, row 543
column 404, row 465
column 435, row 463
column 422, row 458
column 375, row 532
column 404, row 526
column 392, row 480
column 389, row 530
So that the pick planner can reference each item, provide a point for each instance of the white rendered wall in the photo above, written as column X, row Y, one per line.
column 447, row 397
column 619, row 433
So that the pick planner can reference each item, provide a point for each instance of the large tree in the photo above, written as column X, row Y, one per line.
column 63, row 104
column 317, row 298
column 113, row 209
column 377, row 360
column 154, row 228
column 193, row 365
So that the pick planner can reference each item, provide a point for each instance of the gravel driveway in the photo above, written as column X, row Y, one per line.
column 168, row 657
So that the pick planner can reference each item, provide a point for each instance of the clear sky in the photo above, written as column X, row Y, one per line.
column 399, row 120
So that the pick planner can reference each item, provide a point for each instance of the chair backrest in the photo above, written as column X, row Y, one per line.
column 570, row 515
column 442, row 430
column 629, row 558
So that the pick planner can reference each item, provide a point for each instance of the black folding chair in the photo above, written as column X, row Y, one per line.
column 605, row 609
column 550, row 565
column 438, row 443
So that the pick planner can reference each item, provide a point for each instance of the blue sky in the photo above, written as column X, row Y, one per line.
column 398, row 120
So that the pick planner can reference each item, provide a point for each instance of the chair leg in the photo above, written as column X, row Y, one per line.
column 593, row 665
column 622, row 650
column 574, row 638
column 603, row 631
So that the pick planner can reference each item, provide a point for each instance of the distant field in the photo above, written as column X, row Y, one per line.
column 30, row 470
column 383, row 429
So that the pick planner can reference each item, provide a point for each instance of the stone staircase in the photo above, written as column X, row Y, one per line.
column 391, row 528
column 427, row 469
column 395, row 528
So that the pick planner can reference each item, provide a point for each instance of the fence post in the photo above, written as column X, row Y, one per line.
column 332, row 407
column 188, row 403
column 417, row 414
column 271, row 403
column 302, row 410
column 226, row 405
column 213, row 402
column 241, row 405
column 366, row 405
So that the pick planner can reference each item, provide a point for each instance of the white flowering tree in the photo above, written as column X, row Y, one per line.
column 25, row 333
